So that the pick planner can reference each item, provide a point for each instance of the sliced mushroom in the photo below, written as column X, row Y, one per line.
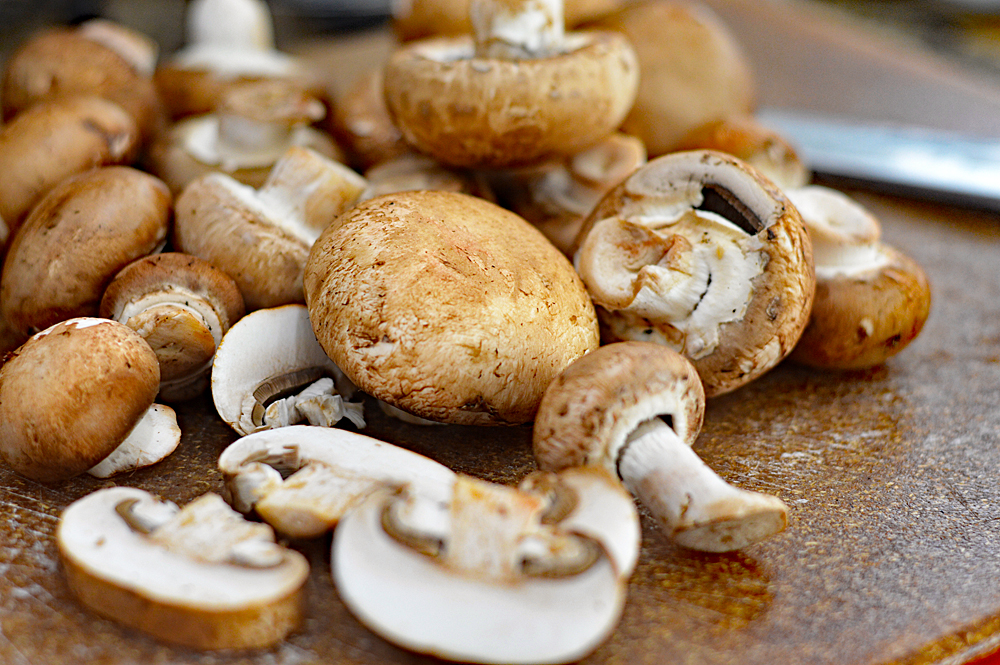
column 269, row 371
column 301, row 479
column 182, row 306
column 457, row 579
column 871, row 299
column 699, row 252
column 635, row 408
column 200, row 576
column 153, row 438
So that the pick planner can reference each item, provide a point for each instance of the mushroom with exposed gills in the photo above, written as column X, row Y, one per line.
column 635, row 409
column 518, row 92
column 261, row 237
column 699, row 252
column 182, row 306
column 328, row 471
column 269, row 371
column 200, row 576
column 871, row 299
column 493, row 574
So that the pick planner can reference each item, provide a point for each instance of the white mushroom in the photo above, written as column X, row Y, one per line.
column 153, row 438
column 201, row 576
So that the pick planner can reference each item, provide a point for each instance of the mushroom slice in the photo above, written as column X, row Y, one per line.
column 458, row 579
column 153, row 438
column 330, row 470
column 697, row 251
column 270, row 371
column 634, row 409
column 200, row 576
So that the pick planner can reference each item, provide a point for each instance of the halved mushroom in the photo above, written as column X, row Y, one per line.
column 200, row 576
column 699, row 252
column 326, row 472
column 153, row 438
column 519, row 92
column 491, row 575
column 635, row 409
column 269, row 371
column 871, row 299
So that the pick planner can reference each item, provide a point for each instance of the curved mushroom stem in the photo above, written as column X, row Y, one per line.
column 697, row 508
column 514, row 29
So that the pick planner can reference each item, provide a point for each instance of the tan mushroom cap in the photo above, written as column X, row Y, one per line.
column 447, row 306
column 477, row 112
column 362, row 123
column 71, row 394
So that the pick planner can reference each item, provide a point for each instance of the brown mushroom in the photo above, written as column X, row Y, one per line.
column 362, row 124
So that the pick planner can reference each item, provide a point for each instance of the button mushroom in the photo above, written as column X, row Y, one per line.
column 699, row 252
column 871, row 299
column 635, row 408
column 200, row 576
column 412, row 171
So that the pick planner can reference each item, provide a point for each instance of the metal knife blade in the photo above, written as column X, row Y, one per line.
column 900, row 159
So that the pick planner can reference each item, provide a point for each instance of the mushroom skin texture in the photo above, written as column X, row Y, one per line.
column 446, row 306
column 200, row 576
column 361, row 123
column 871, row 299
column 71, row 394
column 699, row 252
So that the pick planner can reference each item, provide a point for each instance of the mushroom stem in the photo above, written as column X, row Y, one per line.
column 516, row 29
column 697, row 508
column 239, row 24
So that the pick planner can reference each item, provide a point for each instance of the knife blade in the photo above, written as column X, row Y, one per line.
column 907, row 160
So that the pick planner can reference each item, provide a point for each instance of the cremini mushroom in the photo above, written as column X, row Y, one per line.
column 71, row 394
column 261, row 237
column 182, row 306
column 871, row 299
column 493, row 574
column 328, row 471
column 269, row 371
column 519, row 92
column 697, row 251
column 446, row 306
column 412, row 171
column 635, row 409
column 199, row 576
column 362, row 124
column 153, row 438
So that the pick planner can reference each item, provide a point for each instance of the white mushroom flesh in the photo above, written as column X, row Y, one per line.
column 228, row 63
column 231, row 24
column 519, row 29
column 233, row 143
column 175, row 297
column 153, row 438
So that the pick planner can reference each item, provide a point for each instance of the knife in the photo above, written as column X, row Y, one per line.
column 908, row 160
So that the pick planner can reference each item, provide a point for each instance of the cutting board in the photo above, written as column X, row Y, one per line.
column 892, row 553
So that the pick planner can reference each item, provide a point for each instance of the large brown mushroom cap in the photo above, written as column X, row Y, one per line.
column 446, row 306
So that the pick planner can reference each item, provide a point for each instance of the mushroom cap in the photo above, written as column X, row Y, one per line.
column 412, row 171
column 477, row 112
column 71, row 394
column 134, row 579
column 362, row 124
column 78, row 237
column 698, row 251
column 589, row 410
column 446, row 306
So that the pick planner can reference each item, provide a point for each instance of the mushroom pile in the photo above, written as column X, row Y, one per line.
column 577, row 230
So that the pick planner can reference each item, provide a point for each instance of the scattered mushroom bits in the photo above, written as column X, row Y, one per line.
column 200, row 576
column 520, row 92
column 871, row 299
column 697, row 251
column 330, row 471
column 447, row 306
column 269, row 371
column 493, row 574
column 635, row 409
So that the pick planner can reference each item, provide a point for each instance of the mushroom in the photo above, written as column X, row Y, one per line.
column 261, row 237
column 85, row 230
column 699, row 252
column 269, row 371
column 328, row 471
column 55, row 139
column 412, row 171
column 519, row 92
column 362, row 124
column 494, row 574
column 635, row 409
column 871, row 299
column 153, row 438
column 200, row 576
column 182, row 306
column 446, row 306
column 71, row 394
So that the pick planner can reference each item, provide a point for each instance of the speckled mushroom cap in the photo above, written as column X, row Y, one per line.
column 697, row 251
column 446, row 306
column 589, row 410
column 484, row 112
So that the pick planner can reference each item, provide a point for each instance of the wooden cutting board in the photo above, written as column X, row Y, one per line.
column 892, row 554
